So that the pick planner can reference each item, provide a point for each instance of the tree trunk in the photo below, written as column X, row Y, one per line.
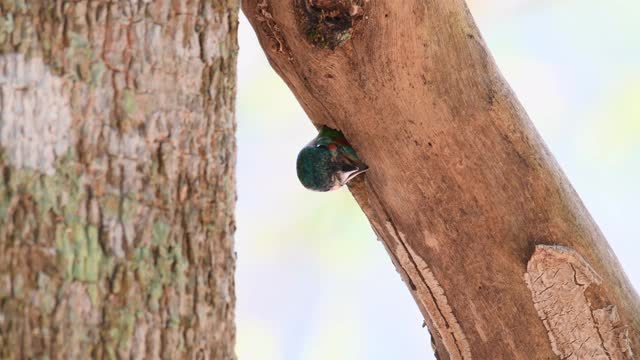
column 117, row 193
column 496, row 247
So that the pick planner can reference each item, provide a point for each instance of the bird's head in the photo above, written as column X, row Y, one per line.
column 326, row 166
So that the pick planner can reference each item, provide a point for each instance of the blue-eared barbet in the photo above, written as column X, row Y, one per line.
column 328, row 162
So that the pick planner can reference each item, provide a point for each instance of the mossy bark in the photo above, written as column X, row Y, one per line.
column 117, row 157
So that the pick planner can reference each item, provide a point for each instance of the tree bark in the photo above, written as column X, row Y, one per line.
column 117, row 194
column 496, row 247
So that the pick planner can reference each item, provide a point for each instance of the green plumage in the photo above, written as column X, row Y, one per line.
column 328, row 162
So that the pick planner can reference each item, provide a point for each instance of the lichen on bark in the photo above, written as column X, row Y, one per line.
column 117, row 156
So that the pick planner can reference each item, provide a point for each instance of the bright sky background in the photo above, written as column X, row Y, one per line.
column 314, row 283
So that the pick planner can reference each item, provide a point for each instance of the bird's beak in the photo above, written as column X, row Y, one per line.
column 350, row 165
column 348, row 175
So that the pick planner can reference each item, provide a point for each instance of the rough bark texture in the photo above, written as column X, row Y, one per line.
column 496, row 247
column 117, row 156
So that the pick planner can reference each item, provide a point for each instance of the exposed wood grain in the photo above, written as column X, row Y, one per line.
column 461, row 188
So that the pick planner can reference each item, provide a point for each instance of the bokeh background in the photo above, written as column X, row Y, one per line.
column 314, row 283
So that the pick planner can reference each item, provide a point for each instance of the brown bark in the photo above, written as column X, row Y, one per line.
column 496, row 247
column 117, row 156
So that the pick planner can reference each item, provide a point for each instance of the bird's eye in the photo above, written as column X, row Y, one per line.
column 328, row 147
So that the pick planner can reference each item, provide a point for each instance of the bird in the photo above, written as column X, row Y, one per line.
column 328, row 162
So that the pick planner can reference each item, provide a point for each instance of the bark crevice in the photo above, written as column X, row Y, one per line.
column 329, row 23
